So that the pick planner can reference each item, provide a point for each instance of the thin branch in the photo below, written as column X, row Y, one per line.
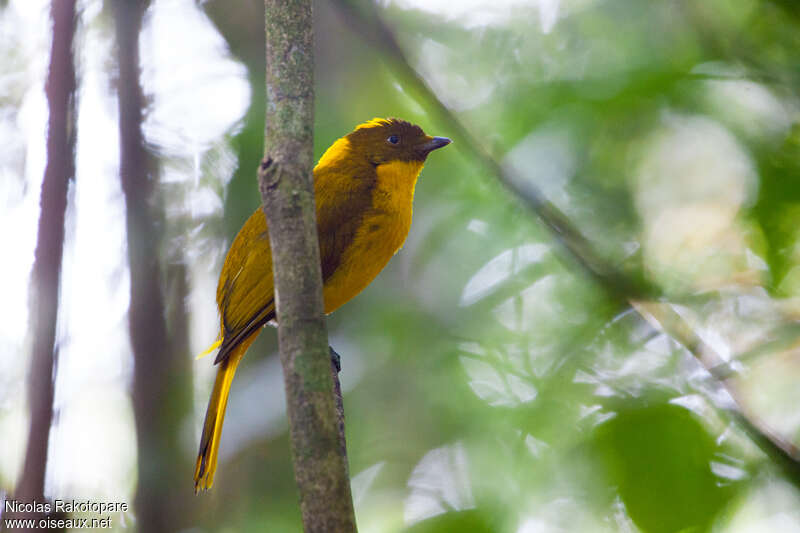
column 621, row 287
column 664, row 317
column 781, row 338
column 285, row 182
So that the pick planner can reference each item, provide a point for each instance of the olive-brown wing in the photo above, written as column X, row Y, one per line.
column 245, row 293
column 343, row 197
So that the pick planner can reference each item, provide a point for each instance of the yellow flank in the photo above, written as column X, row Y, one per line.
column 364, row 190
column 381, row 234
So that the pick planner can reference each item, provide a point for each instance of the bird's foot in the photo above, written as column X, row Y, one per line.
column 336, row 360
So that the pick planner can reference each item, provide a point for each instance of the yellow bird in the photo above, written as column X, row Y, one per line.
column 364, row 189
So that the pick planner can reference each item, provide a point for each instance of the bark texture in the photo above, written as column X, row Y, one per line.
column 160, row 392
column 60, row 169
column 286, row 185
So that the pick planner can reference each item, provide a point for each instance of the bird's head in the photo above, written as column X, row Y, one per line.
column 384, row 140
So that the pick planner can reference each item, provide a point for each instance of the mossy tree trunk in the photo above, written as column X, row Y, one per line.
column 286, row 184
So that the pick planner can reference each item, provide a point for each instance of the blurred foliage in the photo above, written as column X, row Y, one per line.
column 496, row 388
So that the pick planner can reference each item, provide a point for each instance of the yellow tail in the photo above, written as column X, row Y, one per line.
column 206, row 463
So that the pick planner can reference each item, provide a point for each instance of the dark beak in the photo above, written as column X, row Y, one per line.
column 433, row 144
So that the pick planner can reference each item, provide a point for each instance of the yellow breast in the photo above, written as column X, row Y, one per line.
column 382, row 233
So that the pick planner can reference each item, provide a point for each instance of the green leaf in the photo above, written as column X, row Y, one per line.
column 659, row 459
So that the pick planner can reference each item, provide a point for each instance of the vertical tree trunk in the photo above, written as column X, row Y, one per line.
column 46, row 271
column 160, row 394
column 286, row 184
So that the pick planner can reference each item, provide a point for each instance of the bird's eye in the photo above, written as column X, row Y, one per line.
column 393, row 139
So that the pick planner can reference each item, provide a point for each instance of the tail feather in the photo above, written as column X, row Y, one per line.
column 210, row 349
column 206, row 463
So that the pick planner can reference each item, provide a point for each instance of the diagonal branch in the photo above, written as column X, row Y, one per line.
column 576, row 249
column 624, row 289
column 663, row 317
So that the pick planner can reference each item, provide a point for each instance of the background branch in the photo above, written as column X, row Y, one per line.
column 663, row 317
column 44, row 285
column 160, row 393
column 285, row 182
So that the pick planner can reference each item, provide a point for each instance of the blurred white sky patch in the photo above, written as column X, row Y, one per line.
column 494, row 387
column 778, row 375
column 93, row 446
column 459, row 92
column 23, row 120
column 692, row 180
column 728, row 472
column 94, row 364
column 500, row 269
column 749, row 107
column 537, row 525
column 536, row 304
column 693, row 159
column 440, row 482
column 769, row 505
column 460, row 87
column 560, row 512
column 478, row 226
column 199, row 91
column 546, row 158
column 362, row 482
column 474, row 13
column 22, row 159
